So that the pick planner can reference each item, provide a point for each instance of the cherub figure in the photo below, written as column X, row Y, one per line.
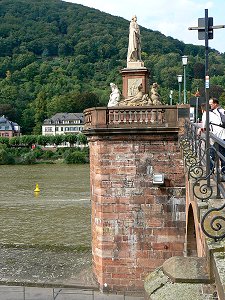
column 154, row 95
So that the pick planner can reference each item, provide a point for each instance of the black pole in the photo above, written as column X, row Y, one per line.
column 207, row 92
column 208, row 35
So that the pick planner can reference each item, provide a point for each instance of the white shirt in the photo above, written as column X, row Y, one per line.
column 214, row 117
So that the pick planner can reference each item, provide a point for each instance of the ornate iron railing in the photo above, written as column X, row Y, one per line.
column 205, row 185
column 213, row 223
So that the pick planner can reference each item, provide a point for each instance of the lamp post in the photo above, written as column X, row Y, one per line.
column 184, row 62
column 179, row 79
column 171, row 97
column 197, row 95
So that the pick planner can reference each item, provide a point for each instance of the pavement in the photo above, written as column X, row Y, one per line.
column 38, row 293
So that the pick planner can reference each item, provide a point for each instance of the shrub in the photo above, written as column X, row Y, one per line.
column 38, row 152
column 6, row 157
column 75, row 157
column 28, row 158
column 48, row 154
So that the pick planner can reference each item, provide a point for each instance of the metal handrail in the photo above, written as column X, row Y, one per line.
column 195, row 152
column 200, row 152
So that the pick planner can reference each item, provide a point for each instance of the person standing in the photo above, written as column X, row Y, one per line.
column 215, row 128
column 134, row 46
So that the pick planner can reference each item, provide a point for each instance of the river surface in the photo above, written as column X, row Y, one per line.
column 45, row 239
column 60, row 215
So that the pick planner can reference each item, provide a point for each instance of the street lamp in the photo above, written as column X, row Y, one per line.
column 171, row 97
column 184, row 62
column 179, row 79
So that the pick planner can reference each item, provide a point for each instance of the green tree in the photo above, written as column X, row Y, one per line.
column 82, row 139
column 70, row 138
column 40, row 112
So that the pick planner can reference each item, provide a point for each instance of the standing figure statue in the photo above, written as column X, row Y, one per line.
column 134, row 46
column 114, row 96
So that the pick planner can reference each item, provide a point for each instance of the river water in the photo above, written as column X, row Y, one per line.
column 59, row 215
column 45, row 238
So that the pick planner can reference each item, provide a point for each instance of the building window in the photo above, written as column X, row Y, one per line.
column 48, row 129
column 61, row 128
column 57, row 129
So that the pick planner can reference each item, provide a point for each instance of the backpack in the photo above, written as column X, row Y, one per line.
column 222, row 118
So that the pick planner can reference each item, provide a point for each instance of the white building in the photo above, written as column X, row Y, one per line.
column 63, row 123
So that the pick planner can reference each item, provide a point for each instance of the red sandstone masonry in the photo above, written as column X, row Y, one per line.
column 134, row 226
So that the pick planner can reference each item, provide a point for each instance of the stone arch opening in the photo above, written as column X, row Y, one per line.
column 191, row 234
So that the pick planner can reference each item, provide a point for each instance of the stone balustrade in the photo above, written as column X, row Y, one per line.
column 134, row 117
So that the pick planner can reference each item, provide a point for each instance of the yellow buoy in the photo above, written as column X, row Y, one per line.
column 37, row 188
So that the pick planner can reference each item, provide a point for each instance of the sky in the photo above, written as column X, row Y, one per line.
column 170, row 17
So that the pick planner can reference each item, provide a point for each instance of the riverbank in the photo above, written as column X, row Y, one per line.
column 42, row 267
column 42, row 155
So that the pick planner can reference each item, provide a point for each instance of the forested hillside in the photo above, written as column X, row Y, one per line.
column 60, row 57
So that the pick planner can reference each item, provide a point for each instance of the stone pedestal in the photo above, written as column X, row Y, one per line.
column 133, row 76
column 136, row 223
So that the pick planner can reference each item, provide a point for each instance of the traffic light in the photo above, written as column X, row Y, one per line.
column 201, row 32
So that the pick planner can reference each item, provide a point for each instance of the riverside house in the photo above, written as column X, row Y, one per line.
column 63, row 123
column 8, row 128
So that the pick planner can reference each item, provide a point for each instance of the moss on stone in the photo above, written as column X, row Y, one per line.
column 155, row 280
column 181, row 291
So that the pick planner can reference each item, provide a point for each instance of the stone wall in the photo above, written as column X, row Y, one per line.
column 136, row 225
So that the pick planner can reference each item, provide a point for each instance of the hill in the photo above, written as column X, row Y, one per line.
column 57, row 56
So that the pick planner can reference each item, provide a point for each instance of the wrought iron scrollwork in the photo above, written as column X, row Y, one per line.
column 194, row 154
column 195, row 171
column 191, row 159
column 195, row 157
column 213, row 223
column 201, row 190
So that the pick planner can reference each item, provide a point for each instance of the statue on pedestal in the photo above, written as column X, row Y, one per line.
column 135, row 76
column 134, row 46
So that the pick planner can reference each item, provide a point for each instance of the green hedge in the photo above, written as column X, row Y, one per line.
column 25, row 155
column 43, row 140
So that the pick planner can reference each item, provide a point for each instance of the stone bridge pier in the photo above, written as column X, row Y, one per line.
column 137, row 223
